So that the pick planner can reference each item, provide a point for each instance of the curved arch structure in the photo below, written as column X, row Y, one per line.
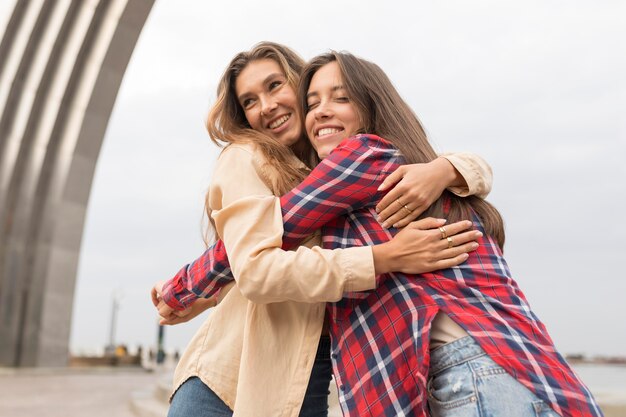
column 61, row 65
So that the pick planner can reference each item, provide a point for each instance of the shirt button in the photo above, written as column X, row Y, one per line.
column 342, row 388
column 333, row 355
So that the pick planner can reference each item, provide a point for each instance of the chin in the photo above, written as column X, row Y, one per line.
column 290, row 140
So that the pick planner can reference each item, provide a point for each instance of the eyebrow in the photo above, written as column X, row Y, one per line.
column 265, row 81
column 335, row 88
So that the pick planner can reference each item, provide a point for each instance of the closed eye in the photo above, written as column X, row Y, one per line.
column 310, row 106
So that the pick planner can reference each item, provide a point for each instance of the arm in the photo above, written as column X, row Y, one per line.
column 203, row 278
column 245, row 220
column 417, row 186
column 345, row 181
column 257, row 245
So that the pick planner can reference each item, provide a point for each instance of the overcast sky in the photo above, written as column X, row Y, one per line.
column 535, row 87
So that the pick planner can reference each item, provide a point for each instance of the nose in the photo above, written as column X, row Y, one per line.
column 268, row 105
column 322, row 111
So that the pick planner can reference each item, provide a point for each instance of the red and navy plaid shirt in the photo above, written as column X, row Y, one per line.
column 380, row 338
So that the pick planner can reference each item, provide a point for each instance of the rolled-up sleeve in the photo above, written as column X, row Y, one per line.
column 476, row 172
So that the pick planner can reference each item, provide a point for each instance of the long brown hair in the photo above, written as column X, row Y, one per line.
column 227, row 123
column 383, row 112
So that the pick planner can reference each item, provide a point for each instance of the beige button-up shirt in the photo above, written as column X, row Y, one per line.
column 257, row 356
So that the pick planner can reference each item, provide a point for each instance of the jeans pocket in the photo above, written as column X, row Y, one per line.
column 543, row 410
column 451, row 389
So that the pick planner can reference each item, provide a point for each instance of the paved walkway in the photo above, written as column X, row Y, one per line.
column 71, row 392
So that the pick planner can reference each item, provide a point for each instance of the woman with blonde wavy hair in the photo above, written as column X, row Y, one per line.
column 268, row 358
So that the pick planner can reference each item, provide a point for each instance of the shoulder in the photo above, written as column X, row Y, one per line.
column 363, row 146
column 238, row 166
column 366, row 141
column 250, row 160
column 236, row 151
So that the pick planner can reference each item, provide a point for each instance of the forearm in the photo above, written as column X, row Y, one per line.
column 203, row 278
column 250, row 225
column 265, row 273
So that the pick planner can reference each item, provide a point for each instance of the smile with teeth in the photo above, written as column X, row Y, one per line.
column 328, row 131
column 279, row 122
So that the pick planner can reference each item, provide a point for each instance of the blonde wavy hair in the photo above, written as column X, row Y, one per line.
column 227, row 123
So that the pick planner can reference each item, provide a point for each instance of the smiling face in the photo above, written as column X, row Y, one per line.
column 331, row 116
column 269, row 101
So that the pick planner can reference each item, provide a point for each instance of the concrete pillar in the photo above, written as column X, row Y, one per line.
column 61, row 65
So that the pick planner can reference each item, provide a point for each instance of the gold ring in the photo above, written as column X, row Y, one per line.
column 443, row 232
column 398, row 201
column 407, row 209
column 450, row 243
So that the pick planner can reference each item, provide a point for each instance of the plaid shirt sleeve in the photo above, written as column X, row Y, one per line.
column 203, row 278
column 348, row 179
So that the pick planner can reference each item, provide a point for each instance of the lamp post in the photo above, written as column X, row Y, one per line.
column 160, row 358
column 115, row 298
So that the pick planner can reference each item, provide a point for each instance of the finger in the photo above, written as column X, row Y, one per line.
column 415, row 213
column 167, row 321
column 389, row 210
column 456, row 251
column 408, row 219
column 164, row 309
column 450, row 262
column 461, row 238
column 155, row 296
column 392, row 178
column 393, row 199
column 399, row 216
column 182, row 313
column 454, row 228
column 171, row 321
column 427, row 223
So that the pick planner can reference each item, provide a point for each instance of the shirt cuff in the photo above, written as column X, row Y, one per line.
column 474, row 179
column 358, row 263
column 175, row 294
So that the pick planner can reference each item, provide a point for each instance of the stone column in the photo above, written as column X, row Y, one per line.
column 61, row 65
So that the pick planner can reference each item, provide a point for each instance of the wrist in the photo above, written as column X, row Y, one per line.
column 450, row 177
column 383, row 258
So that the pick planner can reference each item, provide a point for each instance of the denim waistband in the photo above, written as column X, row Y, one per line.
column 454, row 353
column 323, row 348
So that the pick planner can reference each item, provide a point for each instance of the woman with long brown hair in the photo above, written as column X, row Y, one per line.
column 253, row 358
column 498, row 359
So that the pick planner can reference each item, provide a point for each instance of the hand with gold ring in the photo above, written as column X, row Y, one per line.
column 420, row 247
column 412, row 189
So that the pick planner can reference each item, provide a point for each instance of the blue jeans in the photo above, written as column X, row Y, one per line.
column 465, row 382
column 193, row 398
column 315, row 402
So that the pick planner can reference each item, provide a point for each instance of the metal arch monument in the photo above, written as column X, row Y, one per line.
column 61, row 65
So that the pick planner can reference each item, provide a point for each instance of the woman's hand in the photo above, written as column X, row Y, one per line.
column 417, row 186
column 169, row 316
column 196, row 308
column 426, row 245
